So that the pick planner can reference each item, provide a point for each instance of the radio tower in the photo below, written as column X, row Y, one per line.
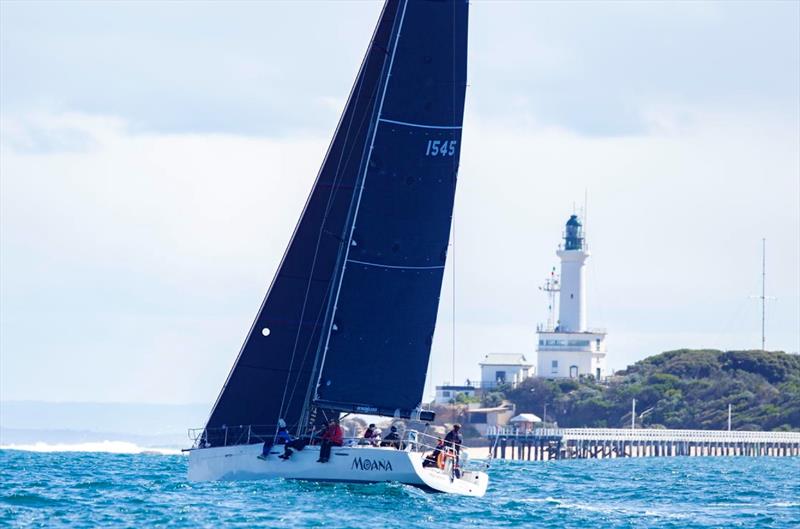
column 552, row 285
column 763, row 297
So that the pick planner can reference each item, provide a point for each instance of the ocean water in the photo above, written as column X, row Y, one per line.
column 93, row 489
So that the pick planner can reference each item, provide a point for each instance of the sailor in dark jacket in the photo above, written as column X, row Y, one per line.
column 369, row 435
column 453, row 438
column 392, row 438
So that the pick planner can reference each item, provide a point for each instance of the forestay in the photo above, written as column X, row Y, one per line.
column 348, row 321
column 272, row 373
column 385, row 312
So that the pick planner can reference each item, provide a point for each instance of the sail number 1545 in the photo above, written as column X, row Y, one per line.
column 441, row 148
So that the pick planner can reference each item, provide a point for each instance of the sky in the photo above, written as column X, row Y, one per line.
column 155, row 157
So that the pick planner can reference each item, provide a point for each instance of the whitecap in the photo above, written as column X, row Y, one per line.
column 111, row 447
column 548, row 499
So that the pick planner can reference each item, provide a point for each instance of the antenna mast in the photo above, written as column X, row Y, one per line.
column 763, row 297
column 552, row 285
column 763, row 293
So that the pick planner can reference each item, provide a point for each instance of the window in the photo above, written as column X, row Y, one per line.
column 598, row 344
column 573, row 371
column 477, row 418
column 598, row 373
column 578, row 343
column 555, row 364
column 445, row 393
column 500, row 377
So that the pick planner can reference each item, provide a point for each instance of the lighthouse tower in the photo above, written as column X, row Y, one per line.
column 568, row 348
column 572, row 315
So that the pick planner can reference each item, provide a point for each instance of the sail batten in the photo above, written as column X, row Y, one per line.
column 421, row 125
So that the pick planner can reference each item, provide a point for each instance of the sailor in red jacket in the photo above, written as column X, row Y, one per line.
column 333, row 436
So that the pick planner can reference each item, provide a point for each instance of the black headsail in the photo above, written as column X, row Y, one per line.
column 272, row 373
column 378, row 348
column 348, row 320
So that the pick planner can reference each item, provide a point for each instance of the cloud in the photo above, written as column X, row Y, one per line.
column 243, row 67
column 156, row 249
column 592, row 68
column 136, row 252
column 675, row 221
column 154, row 160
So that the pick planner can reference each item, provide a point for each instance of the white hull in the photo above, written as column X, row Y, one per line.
column 357, row 464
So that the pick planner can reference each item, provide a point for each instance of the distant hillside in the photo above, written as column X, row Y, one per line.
column 24, row 422
column 682, row 389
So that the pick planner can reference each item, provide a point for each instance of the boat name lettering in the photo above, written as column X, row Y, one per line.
column 370, row 464
column 441, row 148
column 366, row 409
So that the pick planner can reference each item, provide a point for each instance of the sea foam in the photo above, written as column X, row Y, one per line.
column 111, row 447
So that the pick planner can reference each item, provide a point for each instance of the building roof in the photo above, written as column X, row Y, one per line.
column 526, row 417
column 505, row 359
column 498, row 409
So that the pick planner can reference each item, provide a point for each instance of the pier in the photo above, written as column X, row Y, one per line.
column 543, row 444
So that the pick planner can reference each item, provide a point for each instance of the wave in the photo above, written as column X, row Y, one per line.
column 111, row 447
column 784, row 504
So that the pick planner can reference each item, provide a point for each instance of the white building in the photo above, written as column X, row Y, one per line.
column 498, row 369
column 568, row 348
column 484, row 418
column 447, row 393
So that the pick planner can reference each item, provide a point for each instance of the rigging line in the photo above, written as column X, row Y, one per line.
column 453, row 227
column 308, row 344
column 286, row 252
column 328, row 205
column 361, row 190
column 331, row 196
column 321, row 311
column 366, row 118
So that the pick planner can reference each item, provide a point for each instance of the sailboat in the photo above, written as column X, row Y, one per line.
column 347, row 324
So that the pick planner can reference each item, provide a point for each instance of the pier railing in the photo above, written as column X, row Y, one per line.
column 571, row 443
column 648, row 434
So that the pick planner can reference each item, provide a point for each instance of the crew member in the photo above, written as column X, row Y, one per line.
column 432, row 459
column 281, row 438
column 392, row 438
column 333, row 436
column 453, row 438
column 369, row 434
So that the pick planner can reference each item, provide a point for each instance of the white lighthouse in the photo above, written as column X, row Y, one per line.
column 568, row 348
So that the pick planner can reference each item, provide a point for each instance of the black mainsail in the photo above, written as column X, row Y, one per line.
column 348, row 321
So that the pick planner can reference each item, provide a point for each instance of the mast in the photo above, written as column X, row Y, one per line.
column 763, row 297
column 278, row 359
column 763, row 293
column 379, row 332
column 552, row 287
column 322, row 350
